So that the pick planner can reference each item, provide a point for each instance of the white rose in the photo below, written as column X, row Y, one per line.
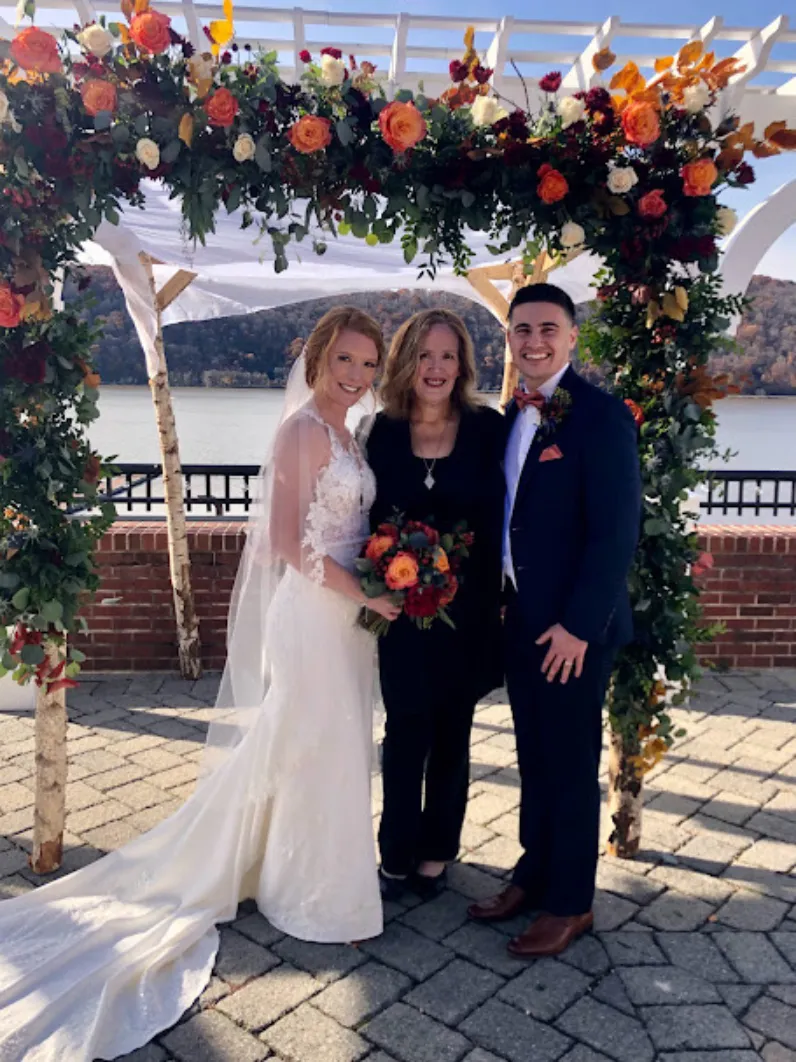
column 621, row 179
column 244, row 148
column 148, row 153
column 3, row 106
column 96, row 40
column 572, row 235
column 486, row 111
column 332, row 70
column 696, row 97
column 726, row 219
column 570, row 110
column 201, row 67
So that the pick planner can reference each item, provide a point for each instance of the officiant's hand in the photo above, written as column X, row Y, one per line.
column 565, row 653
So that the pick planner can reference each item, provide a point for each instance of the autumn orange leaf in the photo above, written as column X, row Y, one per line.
column 765, row 149
column 664, row 64
column 774, row 127
column 729, row 158
column 689, row 54
column 185, row 131
column 628, row 79
column 128, row 9
column 141, row 6
column 784, row 139
column 603, row 60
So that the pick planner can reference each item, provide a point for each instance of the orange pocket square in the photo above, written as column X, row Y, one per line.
column 552, row 453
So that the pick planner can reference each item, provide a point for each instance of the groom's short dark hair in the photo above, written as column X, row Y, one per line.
column 544, row 293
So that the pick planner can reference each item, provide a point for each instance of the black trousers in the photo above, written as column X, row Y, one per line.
column 425, row 769
column 559, row 740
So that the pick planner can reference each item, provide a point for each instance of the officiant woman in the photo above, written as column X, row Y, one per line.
column 436, row 451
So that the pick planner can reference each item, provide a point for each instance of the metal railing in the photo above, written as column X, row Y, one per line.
column 226, row 490
column 750, row 493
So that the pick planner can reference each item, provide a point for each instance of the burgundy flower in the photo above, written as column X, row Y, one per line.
column 305, row 56
column 745, row 174
column 458, row 70
column 604, row 122
column 598, row 99
column 692, row 248
column 515, row 125
column 28, row 364
column 551, row 82
column 482, row 74
column 334, row 52
column 226, row 58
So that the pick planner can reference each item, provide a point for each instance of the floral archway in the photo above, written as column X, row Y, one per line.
column 632, row 171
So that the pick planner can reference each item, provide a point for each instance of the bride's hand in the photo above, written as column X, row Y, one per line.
column 385, row 605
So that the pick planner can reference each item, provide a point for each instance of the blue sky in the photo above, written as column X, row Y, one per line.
column 781, row 260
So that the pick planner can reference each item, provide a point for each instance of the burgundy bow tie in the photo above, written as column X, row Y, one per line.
column 524, row 399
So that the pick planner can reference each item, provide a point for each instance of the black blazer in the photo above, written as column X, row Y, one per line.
column 575, row 522
column 469, row 486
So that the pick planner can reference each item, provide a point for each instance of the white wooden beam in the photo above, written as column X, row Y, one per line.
column 398, row 55
column 582, row 76
column 497, row 52
column 195, row 34
column 299, row 40
column 754, row 55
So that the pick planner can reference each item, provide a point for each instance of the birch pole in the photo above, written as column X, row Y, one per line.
column 49, row 814
column 188, row 644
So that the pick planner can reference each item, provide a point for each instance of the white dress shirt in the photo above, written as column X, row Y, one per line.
column 522, row 432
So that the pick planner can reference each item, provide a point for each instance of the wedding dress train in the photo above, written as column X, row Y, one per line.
column 95, row 964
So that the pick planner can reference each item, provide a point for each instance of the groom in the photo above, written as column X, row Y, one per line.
column 572, row 520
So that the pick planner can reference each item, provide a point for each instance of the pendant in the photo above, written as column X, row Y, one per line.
column 429, row 481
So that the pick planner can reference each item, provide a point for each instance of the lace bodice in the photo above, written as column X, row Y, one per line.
column 337, row 519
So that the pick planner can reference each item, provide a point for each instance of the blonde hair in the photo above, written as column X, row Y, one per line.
column 326, row 332
column 400, row 369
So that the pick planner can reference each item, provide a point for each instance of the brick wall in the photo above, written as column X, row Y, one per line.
column 751, row 589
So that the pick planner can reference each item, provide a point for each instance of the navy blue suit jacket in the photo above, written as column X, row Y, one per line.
column 575, row 522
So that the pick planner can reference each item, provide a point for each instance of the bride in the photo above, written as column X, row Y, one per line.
column 95, row 964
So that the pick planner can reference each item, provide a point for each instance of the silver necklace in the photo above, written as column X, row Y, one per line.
column 429, row 481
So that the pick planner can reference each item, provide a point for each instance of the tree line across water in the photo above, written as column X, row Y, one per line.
column 256, row 350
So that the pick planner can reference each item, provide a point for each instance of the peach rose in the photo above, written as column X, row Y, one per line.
column 552, row 185
column 150, row 31
column 221, row 108
column 402, row 125
column 310, row 133
column 699, row 177
column 98, row 96
column 641, row 124
column 402, row 572
column 10, row 307
column 652, row 205
column 33, row 49
column 378, row 546
column 441, row 562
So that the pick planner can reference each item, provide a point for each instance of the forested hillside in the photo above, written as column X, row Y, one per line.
column 255, row 350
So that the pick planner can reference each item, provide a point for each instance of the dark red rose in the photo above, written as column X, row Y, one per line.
column 334, row 52
column 745, row 174
column 422, row 601
column 305, row 56
column 27, row 365
column 226, row 58
column 551, row 82
column 482, row 74
column 598, row 99
column 604, row 122
column 458, row 70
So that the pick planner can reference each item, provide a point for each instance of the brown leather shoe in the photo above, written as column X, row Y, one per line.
column 550, row 935
column 500, row 908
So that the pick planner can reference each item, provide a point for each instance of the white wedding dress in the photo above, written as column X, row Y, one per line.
column 95, row 964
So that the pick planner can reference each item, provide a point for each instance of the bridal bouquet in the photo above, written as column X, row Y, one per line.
column 417, row 565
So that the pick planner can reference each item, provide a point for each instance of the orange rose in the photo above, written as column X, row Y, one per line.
column 402, row 125
column 552, row 185
column 33, row 49
column 636, row 411
column 402, row 572
column 441, row 562
column 641, row 124
column 377, row 546
column 221, row 108
column 310, row 134
column 10, row 307
column 699, row 177
column 652, row 205
column 98, row 96
column 150, row 31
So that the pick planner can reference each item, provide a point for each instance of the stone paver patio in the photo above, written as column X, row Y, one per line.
column 694, row 954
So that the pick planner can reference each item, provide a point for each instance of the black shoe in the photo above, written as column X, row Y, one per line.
column 392, row 889
column 427, row 887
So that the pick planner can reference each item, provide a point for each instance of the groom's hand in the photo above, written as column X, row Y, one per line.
column 565, row 653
